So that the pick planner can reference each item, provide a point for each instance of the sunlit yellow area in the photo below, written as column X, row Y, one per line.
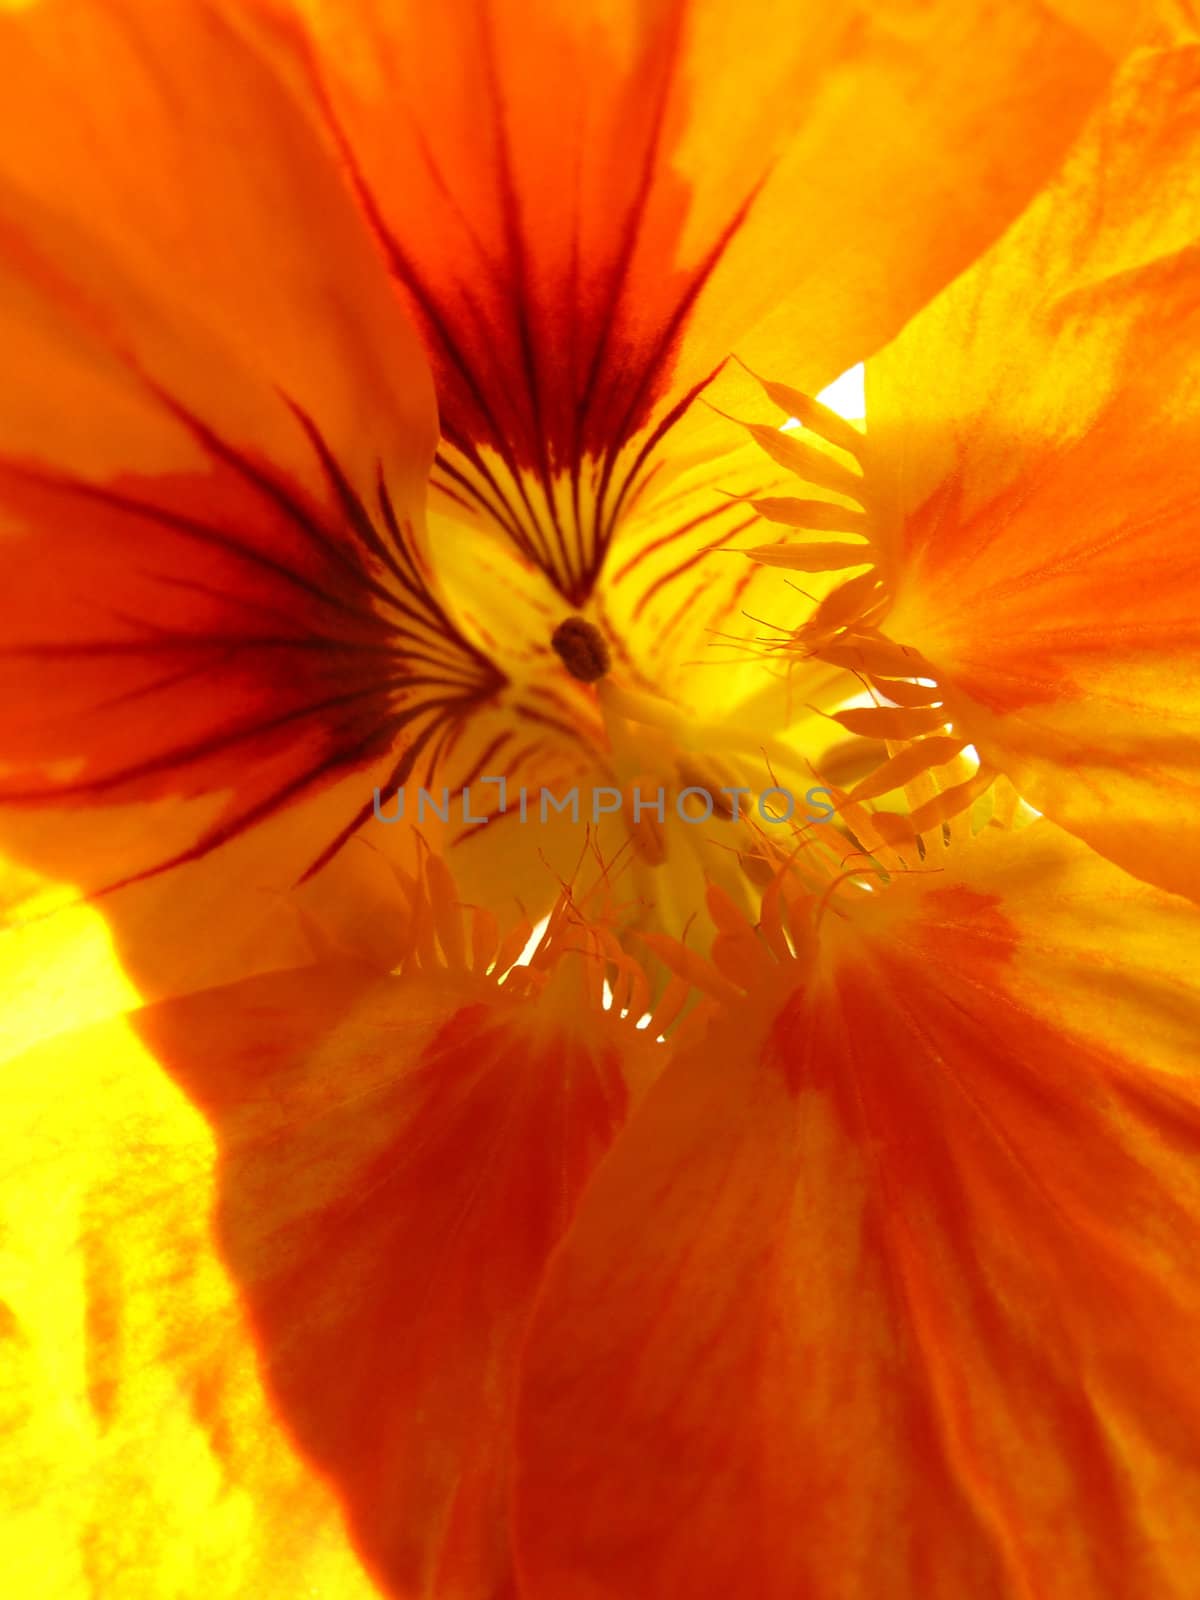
column 116, row 1396
column 61, row 969
column 847, row 395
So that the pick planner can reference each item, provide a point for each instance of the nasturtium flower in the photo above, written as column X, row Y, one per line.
column 227, row 616
column 802, row 1209
column 586, row 208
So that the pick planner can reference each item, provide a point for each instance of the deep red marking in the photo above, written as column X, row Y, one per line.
column 217, row 538
column 284, row 641
column 479, row 766
column 657, row 363
column 396, row 779
column 494, row 506
column 548, row 391
column 567, row 729
column 661, row 582
column 632, row 481
column 284, row 498
column 665, row 539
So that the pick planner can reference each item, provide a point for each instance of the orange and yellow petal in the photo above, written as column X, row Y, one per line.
column 142, row 1452
column 268, row 1256
column 1037, row 433
column 588, row 206
column 890, row 1286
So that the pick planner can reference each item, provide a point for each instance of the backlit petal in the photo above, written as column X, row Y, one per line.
column 142, row 1453
column 1038, row 433
column 589, row 205
column 890, row 1287
column 307, row 1293
column 215, row 427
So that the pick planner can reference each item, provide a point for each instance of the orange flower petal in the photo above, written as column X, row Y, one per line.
column 156, row 230
column 1038, row 429
column 890, row 1287
column 588, row 206
column 225, row 1327
column 215, row 429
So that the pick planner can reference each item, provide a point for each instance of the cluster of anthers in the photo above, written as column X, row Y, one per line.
column 893, row 819
column 902, row 705
column 571, row 962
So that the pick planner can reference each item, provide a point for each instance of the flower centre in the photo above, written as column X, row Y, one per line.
column 582, row 649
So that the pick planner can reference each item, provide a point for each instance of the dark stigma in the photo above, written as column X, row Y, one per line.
column 582, row 649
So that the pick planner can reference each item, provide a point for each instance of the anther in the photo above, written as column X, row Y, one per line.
column 582, row 649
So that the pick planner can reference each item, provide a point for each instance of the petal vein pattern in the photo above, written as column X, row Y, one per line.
column 587, row 207
column 897, row 1265
column 215, row 435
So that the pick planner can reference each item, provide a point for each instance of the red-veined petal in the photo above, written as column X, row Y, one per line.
column 215, row 428
column 588, row 206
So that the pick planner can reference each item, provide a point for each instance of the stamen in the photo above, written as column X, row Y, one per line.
column 847, row 629
column 582, row 648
